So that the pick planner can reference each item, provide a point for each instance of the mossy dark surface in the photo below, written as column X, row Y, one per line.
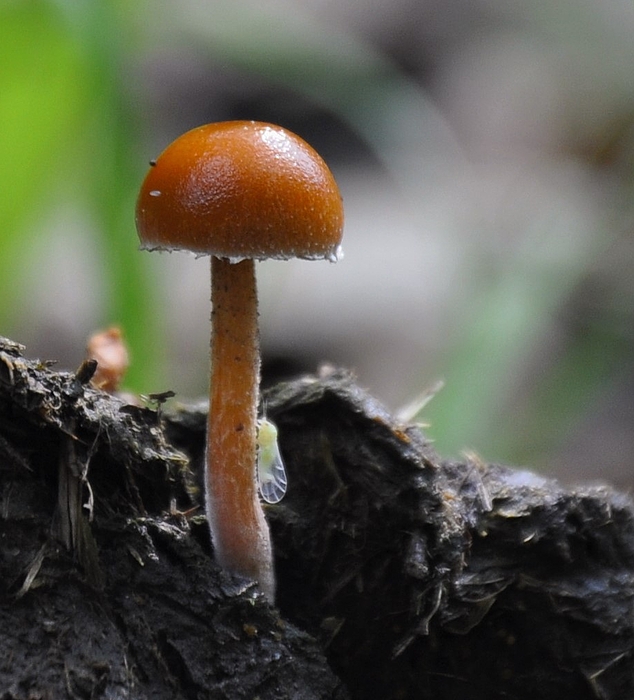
column 399, row 576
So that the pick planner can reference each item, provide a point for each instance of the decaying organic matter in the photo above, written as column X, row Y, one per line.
column 123, row 600
column 399, row 575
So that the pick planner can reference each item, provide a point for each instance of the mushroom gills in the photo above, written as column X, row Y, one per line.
column 271, row 472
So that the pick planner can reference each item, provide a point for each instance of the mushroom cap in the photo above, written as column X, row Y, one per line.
column 241, row 189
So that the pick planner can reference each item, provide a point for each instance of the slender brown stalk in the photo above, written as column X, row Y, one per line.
column 239, row 532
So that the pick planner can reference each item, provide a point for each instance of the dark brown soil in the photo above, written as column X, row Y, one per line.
column 399, row 575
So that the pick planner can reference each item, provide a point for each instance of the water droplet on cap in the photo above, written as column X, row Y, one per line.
column 336, row 255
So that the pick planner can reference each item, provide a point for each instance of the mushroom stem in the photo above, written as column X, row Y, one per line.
column 239, row 532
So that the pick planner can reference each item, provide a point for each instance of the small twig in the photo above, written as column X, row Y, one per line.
column 32, row 572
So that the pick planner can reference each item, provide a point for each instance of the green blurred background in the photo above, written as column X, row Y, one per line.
column 485, row 151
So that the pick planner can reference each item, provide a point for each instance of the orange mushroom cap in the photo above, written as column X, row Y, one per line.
column 241, row 189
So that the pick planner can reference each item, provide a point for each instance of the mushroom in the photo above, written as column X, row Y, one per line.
column 239, row 191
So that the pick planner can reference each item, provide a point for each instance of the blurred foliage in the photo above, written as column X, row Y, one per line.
column 70, row 129
column 67, row 131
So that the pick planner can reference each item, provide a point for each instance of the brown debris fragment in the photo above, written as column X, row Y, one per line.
column 109, row 350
